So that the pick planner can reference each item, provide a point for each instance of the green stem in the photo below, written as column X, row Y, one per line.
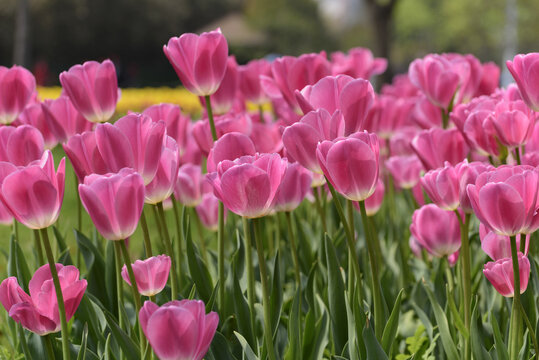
column 37, row 245
column 319, row 208
column 179, row 239
column 448, row 274
column 261, row 113
column 292, row 238
column 250, row 270
column 200, row 232
column 16, row 229
column 24, row 344
column 268, row 333
column 514, row 341
column 351, row 281
column 377, row 296
column 170, row 252
column 119, row 282
column 210, row 118
column 58, row 290
column 146, row 233
column 465, row 259
column 517, row 155
column 445, row 118
column 221, row 255
column 48, row 346
column 158, row 223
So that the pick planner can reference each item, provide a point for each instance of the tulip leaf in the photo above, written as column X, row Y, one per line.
column 456, row 315
column 241, row 310
column 276, row 295
column 294, row 329
column 198, row 271
column 352, row 335
column 247, row 351
column 390, row 330
column 128, row 346
column 211, row 301
column 17, row 265
column 447, row 341
column 315, row 336
column 91, row 314
column 65, row 256
column 337, row 305
column 501, row 348
column 219, row 349
column 82, row 351
column 110, row 275
column 374, row 349
column 478, row 350
column 96, row 267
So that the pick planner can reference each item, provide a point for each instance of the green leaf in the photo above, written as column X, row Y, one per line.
column 294, row 329
column 128, row 346
column 65, row 258
column 447, row 341
column 501, row 348
column 243, row 316
column 17, row 265
column 276, row 296
column 96, row 268
column 82, row 351
column 220, row 349
column 247, row 351
column 390, row 330
column 478, row 350
column 352, row 337
column 374, row 349
column 337, row 305
column 91, row 314
column 456, row 315
column 198, row 271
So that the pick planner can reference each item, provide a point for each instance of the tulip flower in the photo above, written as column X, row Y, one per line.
column 294, row 186
column 490, row 79
column 208, row 211
column 34, row 194
column 499, row 246
column 199, row 60
column 21, row 145
column 500, row 274
column 505, row 199
column 387, row 115
column 425, row 114
column 514, row 123
column 467, row 173
column 151, row 274
column 358, row 63
column 374, row 202
column 188, row 189
column 229, row 147
column 33, row 115
column 162, row 185
column 114, row 202
column 525, row 71
column 84, row 155
column 249, row 80
column 38, row 312
column 442, row 186
column 267, row 137
column 178, row 330
column 17, row 86
column 406, row 170
column 177, row 124
column 63, row 120
column 436, row 146
column 223, row 99
column 351, row 164
column 93, row 89
column 223, row 124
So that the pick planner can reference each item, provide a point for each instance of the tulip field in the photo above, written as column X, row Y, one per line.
column 279, row 210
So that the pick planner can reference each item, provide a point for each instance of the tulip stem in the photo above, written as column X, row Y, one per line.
column 514, row 328
column 147, row 241
column 466, row 277
column 517, row 155
column 200, row 232
column 120, row 293
column 250, row 270
column 268, row 333
column 168, row 246
column 158, row 223
column 445, row 118
column 221, row 255
column 37, row 244
column 261, row 113
column 180, row 239
column 292, row 238
column 24, row 344
column 48, row 346
column 319, row 208
column 58, row 290
column 210, row 117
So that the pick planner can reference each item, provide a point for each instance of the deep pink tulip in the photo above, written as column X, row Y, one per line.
column 358, row 63
column 442, row 186
column 436, row 230
column 33, row 115
column 177, row 124
column 114, row 202
column 467, row 173
column 425, row 114
column 401, row 86
column 151, row 274
column 249, row 80
column 525, row 71
column 38, row 312
column 63, row 120
column 34, row 194
column 374, row 202
column 223, row 124
column 208, row 211
column 247, row 186
column 490, row 79
column 199, row 60
column 405, row 169
column 223, row 99
column 501, row 276
column 505, row 199
column 188, row 189
column 164, row 181
column 400, row 142
column 267, row 137
column 499, row 246
column 514, row 123
column 229, row 147
column 134, row 141
column 178, row 330
column 190, row 153
column 21, row 145
column 294, row 186
column 93, row 89
column 388, row 114
column 84, row 155
column 436, row 146
column 17, row 87
column 300, row 139
column 351, row 164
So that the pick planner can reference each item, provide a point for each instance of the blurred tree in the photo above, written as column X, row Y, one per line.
column 20, row 41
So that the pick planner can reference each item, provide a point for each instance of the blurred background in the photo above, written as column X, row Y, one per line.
column 48, row 36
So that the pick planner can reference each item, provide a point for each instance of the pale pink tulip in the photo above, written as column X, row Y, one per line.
column 17, row 87
column 525, row 71
column 188, row 189
column 84, row 155
column 249, row 80
column 164, row 181
column 499, row 246
column 501, row 276
column 436, row 146
column 21, row 145
column 151, row 274
column 177, row 124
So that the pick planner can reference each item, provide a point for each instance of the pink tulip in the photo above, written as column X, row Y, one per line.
column 400, row 143
column 294, row 186
column 21, row 145
column 188, row 185
column 33, row 115
column 436, row 230
column 351, row 164
column 490, row 79
column 151, row 274
column 374, row 202
column 178, row 330
column 38, row 312
column 93, row 89
column 177, row 124
column 34, row 194
column 84, row 155
column 387, row 115
column 249, row 80
column 267, row 137
column 525, row 71
column 162, row 185
column 514, row 123
column 208, row 211
column 442, row 187
column 223, row 99
column 229, row 147
column 247, row 186
column 501, row 276
column 17, row 87
column 498, row 246
column 467, row 173
column 425, row 114
column 505, row 199
column 405, row 169
column 301, row 139
column 114, row 202
column 199, row 60
column 134, row 141
column 63, row 120
column 190, row 152
column 358, row 63
column 401, row 86
column 223, row 124
column 436, row 146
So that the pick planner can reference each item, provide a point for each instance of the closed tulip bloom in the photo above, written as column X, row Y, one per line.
column 229, row 147
column 63, row 120
column 93, row 89
column 514, row 123
column 249, row 80
column 247, row 186
column 405, row 169
column 436, row 230
column 178, row 330
column 114, row 202
column 34, row 194
column 267, row 137
column 525, row 71
column 505, row 199
column 467, row 173
column 33, row 115
column 499, row 246
column 351, row 164
column 500, row 274
column 224, row 124
column 199, row 60
column 425, row 114
column 134, row 141
column 151, row 274
column 295, row 185
column 436, row 146
column 84, row 155
column 208, row 211
column 17, row 87
column 223, row 99
column 374, row 202
column 358, row 63
column 177, row 124
column 21, row 145
column 388, row 115
column 490, row 79
column 442, row 187
column 188, row 189
column 162, row 185
column 38, row 312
